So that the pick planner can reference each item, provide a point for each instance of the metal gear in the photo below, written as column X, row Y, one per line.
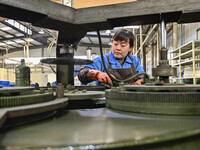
column 31, row 98
column 155, row 99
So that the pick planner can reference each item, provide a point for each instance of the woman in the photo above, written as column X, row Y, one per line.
column 119, row 62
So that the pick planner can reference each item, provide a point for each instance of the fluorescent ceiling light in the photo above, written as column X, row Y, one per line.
column 136, row 27
column 8, row 36
column 28, row 39
column 19, row 41
column 19, row 34
column 41, row 31
column 10, row 42
column 5, row 28
column 110, row 43
column 92, row 33
column 133, row 27
column 108, row 31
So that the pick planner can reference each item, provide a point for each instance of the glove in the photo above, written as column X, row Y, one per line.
column 138, row 82
column 102, row 77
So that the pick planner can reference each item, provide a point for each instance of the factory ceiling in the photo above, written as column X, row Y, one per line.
column 14, row 34
column 78, row 24
column 73, row 24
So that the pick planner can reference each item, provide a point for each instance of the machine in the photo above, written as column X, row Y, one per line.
column 152, row 116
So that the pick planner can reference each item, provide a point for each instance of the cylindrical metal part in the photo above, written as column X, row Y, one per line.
column 60, row 90
column 65, row 73
column 163, row 54
column 66, row 49
column 163, row 34
column 164, row 79
column 158, row 47
column 89, row 53
column 22, row 74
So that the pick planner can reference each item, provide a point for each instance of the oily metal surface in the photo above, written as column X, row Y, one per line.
column 102, row 128
column 177, row 103
column 161, row 88
column 84, row 95
column 66, row 61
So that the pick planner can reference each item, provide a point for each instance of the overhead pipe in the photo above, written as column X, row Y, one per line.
column 148, row 37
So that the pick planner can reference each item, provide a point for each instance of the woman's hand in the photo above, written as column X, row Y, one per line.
column 102, row 77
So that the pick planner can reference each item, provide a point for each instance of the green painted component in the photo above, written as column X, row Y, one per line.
column 106, row 129
column 31, row 98
column 22, row 74
column 176, row 103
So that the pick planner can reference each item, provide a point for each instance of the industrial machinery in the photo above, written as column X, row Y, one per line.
column 19, row 102
column 152, row 116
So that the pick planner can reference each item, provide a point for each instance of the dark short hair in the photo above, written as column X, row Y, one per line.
column 124, row 35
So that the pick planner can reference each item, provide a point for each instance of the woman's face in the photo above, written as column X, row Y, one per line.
column 120, row 49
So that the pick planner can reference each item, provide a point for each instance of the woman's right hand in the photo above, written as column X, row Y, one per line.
column 102, row 77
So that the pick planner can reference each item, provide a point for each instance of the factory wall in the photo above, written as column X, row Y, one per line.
column 32, row 53
column 38, row 75
column 186, row 33
column 38, row 52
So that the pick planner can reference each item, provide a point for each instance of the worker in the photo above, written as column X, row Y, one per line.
column 119, row 62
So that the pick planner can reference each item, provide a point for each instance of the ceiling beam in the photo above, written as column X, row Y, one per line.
column 73, row 24
column 22, row 37
column 40, row 40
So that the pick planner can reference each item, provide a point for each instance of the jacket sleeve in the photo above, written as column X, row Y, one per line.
column 97, row 65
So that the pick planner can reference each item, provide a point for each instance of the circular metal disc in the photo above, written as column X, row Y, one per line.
column 106, row 129
column 79, row 95
column 66, row 61
column 8, row 90
column 162, row 88
column 165, row 102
